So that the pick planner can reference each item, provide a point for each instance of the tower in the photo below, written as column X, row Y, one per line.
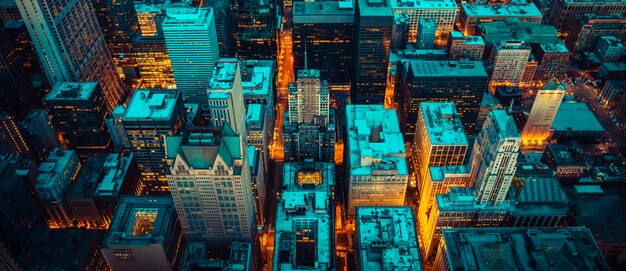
column 542, row 113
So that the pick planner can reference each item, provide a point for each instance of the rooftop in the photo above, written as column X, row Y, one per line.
column 542, row 191
column 202, row 149
column 374, row 135
column 224, row 74
column 516, row 10
column 72, row 91
column 387, row 239
column 557, row 47
column 440, row 68
column 323, row 12
column 52, row 169
column 88, row 178
column 464, row 199
column 423, row 4
column 114, row 173
column 505, row 123
column 375, row 8
column 257, row 77
column 565, row 155
column 141, row 221
column 514, row 29
column 443, row 172
column 255, row 116
column 576, row 117
column 590, row 203
column 184, row 15
column 565, row 248
column 443, row 124
column 154, row 104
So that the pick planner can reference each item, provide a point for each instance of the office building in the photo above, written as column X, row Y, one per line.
column 588, row 28
column 612, row 92
column 223, row 14
column 12, row 139
column 516, row 30
column 540, row 203
column 465, row 47
column 119, row 25
column 529, row 72
column 439, row 141
column 520, row 249
column 552, row 59
column 56, row 174
column 257, row 83
column 255, row 29
column 460, row 82
column 240, row 258
column 38, row 128
column 258, row 132
column 325, row 31
column 576, row 121
column 63, row 249
column 192, row 46
column 144, row 234
column 18, row 214
column 78, row 112
column 374, row 24
column 153, row 62
column 488, row 103
column 257, row 179
column 18, row 93
column 471, row 13
column 150, row 15
column 610, row 49
column 426, row 30
column 305, row 214
column 309, row 126
column 376, row 158
column 443, row 12
column 568, row 162
column 563, row 13
column 150, row 116
column 225, row 96
column 116, row 128
column 494, row 157
column 210, row 183
column 509, row 62
column 76, row 30
column 386, row 239
column 546, row 104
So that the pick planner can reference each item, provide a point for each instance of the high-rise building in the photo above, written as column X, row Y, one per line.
column 544, row 108
column 150, row 116
column 78, row 112
column 612, row 92
column 552, row 58
column 439, row 141
column 563, row 13
column 309, row 125
column 223, row 15
column 225, row 96
column 70, row 45
column 529, row 72
column 323, row 34
column 257, row 130
column 460, row 82
column 610, row 49
column 42, row 135
column 471, row 13
column 509, row 62
column 443, row 12
column 588, row 28
column 254, row 28
column 119, row 24
column 542, row 248
column 79, row 197
column 210, row 183
column 374, row 23
column 257, row 179
column 426, row 29
column 386, row 239
column 144, row 234
column 193, row 49
column 305, row 211
column 515, row 29
column 56, row 174
column 465, row 47
column 18, row 93
column 12, row 138
column 153, row 62
column 494, row 157
column 18, row 214
column 119, row 176
column 150, row 15
column 376, row 158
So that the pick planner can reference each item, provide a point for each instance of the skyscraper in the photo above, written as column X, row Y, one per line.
column 70, row 45
column 426, row 30
column 225, row 96
column 375, row 158
column 325, row 30
column 443, row 12
column 465, row 47
column 255, row 28
column 56, row 174
column 193, row 49
column 374, row 21
column 78, row 111
column 309, row 128
column 210, row 184
column 494, row 157
column 12, row 138
column 153, row 62
column 509, row 62
column 546, row 104
column 150, row 116
column 552, row 58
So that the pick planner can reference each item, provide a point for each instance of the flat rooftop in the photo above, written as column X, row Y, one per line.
column 576, row 117
column 514, row 29
column 590, row 210
column 373, row 131
column 72, row 91
column 557, row 47
column 152, row 104
column 183, row 15
column 375, row 8
column 257, row 77
column 563, row 248
column 88, row 178
column 387, row 239
column 463, row 199
column 255, row 116
column 141, row 221
column 423, row 4
column 439, row 174
column 224, row 74
column 515, row 10
column 505, row 122
column 449, row 68
column 52, row 169
column 114, row 173
column 323, row 12
column 443, row 124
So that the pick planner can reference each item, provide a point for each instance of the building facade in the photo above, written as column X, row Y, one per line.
column 509, row 62
column 539, row 123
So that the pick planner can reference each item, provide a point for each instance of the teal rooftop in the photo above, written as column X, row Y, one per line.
column 576, row 117
column 423, row 4
column 224, row 74
column 505, row 124
column 438, row 174
column 449, row 68
column 517, row 10
column 74, row 91
column 443, row 124
column 152, row 104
